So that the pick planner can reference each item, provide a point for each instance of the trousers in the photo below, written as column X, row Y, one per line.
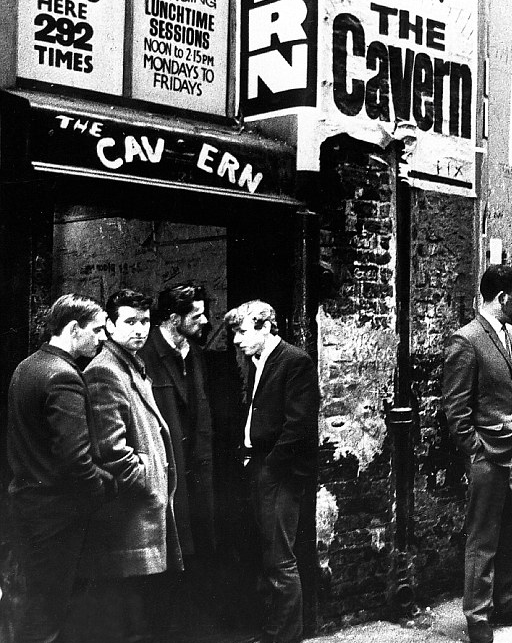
column 488, row 557
column 276, row 502
column 50, row 529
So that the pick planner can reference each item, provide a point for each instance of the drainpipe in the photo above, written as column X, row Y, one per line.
column 400, row 415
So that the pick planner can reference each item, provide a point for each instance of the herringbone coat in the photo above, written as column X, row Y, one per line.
column 135, row 534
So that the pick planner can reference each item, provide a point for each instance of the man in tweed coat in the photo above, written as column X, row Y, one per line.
column 132, row 539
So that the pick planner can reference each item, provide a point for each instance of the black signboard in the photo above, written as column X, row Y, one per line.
column 74, row 143
column 278, row 67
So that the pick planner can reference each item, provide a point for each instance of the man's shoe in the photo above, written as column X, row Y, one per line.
column 480, row 632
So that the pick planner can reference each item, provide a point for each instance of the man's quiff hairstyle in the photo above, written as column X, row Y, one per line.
column 71, row 307
column 497, row 278
column 126, row 297
column 257, row 311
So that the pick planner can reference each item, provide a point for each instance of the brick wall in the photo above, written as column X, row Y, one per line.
column 357, row 358
column 443, row 279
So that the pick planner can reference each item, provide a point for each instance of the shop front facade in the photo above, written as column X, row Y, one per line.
column 317, row 155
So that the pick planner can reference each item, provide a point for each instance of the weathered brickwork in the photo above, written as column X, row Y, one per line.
column 357, row 357
column 443, row 278
column 358, row 342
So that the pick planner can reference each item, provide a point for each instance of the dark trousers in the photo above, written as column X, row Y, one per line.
column 276, row 500
column 488, row 562
column 50, row 532
column 125, row 610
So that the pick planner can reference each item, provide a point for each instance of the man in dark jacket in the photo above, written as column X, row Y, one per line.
column 280, row 453
column 133, row 539
column 175, row 363
column 52, row 452
column 477, row 393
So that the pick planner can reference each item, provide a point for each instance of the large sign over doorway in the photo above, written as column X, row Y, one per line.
column 92, row 145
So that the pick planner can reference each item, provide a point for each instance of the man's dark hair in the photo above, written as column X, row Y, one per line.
column 126, row 297
column 497, row 278
column 71, row 307
column 178, row 299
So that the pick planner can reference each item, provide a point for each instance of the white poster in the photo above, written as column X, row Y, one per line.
column 397, row 69
column 77, row 43
column 180, row 53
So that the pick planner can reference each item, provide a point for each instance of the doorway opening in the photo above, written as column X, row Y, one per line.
column 107, row 238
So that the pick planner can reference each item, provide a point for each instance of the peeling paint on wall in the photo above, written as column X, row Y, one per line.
column 356, row 365
column 326, row 516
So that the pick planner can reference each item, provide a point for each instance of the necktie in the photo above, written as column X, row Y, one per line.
column 508, row 342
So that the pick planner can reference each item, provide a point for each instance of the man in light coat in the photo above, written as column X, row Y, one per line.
column 133, row 539
column 477, row 392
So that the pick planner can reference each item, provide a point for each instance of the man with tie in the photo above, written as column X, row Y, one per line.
column 477, row 399
column 280, row 453
column 133, row 539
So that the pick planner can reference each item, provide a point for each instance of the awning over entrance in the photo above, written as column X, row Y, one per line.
column 85, row 138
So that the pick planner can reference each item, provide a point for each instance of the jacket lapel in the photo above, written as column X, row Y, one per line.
column 171, row 364
column 142, row 386
column 496, row 340
column 271, row 359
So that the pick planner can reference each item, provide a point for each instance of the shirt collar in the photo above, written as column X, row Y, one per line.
column 270, row 344
column 183, row 350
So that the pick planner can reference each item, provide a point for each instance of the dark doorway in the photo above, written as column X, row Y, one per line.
column 111, row 236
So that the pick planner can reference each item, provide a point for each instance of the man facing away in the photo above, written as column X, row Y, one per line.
column 57, row 483
column 175, row 364
column 280, row 446
column 477, row 393
column 133, row 539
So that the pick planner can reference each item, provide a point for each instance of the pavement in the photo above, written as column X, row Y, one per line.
column 440, row 623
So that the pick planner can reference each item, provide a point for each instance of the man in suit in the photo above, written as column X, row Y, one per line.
column 175, row 364
column 280, row 453
column 52, row 452
column 133, row 539
column 477, row 396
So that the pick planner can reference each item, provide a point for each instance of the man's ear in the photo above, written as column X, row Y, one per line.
column 71, row 328
column 175, row 319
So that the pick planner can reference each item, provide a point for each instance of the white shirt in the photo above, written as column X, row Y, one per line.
column 270, row 344
column 497, row 326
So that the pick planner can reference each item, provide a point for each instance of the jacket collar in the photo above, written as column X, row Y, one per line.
column 59, row 352
column 494, row 337
column 171, row 361
column 273, row 357
column 132, row 361
column 140, row 383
